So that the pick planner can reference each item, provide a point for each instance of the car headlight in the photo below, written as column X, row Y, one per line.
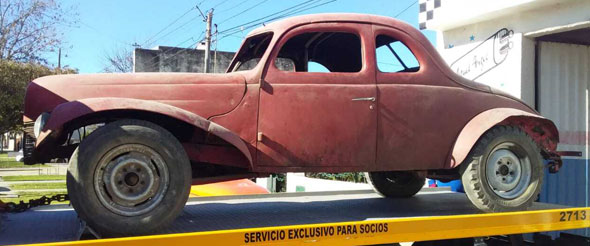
column 40, row 123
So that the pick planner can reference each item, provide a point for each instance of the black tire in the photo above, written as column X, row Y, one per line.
column 395, row 183
column 487, row 173
column 101, row 159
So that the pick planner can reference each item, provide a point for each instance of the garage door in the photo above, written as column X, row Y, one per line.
column 563, row 83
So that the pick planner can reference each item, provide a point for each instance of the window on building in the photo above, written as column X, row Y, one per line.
column 394, row 57
column 322, row 52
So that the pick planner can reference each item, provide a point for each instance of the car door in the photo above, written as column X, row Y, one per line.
column 421, row 111
column 317, row 100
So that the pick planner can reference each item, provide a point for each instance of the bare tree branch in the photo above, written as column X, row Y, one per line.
column 119, row 60
column 29, row 28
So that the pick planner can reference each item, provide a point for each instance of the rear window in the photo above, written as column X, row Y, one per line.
column 393, row 56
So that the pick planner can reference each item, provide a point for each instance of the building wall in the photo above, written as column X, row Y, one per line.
column 10, row 141
column 173, row 59
column 457, row 37
column 560, row 72
column 564, row 81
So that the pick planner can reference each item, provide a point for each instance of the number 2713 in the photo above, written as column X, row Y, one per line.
column 572, row 215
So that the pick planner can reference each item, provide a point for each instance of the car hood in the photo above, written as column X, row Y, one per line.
column 203, row 94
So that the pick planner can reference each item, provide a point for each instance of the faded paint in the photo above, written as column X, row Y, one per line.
column 486, row 120
column 308, row 121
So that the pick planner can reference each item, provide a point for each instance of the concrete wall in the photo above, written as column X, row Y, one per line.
column 470, row 43
column 172, row 59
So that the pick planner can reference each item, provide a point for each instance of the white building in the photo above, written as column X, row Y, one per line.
column 537, row 50
column 10, row 141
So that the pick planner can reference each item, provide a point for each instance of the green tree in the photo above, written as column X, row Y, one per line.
column 28, row 30
column 14, row 78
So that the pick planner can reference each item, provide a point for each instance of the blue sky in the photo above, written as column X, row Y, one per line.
column 109, row 25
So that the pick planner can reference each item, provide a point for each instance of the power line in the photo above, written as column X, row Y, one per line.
column 298, row 8
column 201, row 12
column 170, row 24
column 287, row 13
column 243, row 11
column 233, row 7
column 273, row 14
column 217, row 5
column 243, row 28
column 183, row 49
column 152, row 60
column 176, row 29
column 401, row 12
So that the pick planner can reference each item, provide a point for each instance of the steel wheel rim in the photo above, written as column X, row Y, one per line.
column 508, row 171
column 131, row 179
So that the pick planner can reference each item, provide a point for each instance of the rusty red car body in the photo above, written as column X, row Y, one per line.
column 267, row 119
column 425, row 120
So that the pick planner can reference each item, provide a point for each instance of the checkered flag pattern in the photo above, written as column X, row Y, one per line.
column 427, row 10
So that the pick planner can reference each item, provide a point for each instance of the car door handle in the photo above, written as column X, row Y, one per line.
column 372, row 99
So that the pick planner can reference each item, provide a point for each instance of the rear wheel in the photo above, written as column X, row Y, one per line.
column 396, row 183
column 504, row 171
column 129, row 177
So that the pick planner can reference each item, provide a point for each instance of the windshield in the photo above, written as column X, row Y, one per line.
column 251, row 52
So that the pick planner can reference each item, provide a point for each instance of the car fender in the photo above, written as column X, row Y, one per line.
column 482, row 122
column 66, row 112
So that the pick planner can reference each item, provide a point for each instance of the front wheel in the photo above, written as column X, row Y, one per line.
column 504, row 171
column 395, row 183
column 129, row 177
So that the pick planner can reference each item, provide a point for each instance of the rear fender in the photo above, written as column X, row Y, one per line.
column 542, row 130
column 66, row 112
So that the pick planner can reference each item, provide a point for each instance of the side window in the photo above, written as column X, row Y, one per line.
column 321, row 52
column 251, row 51
column 316, row 67
column 394, row 57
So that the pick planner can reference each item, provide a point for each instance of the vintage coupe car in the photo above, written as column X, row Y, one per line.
column 382, row 101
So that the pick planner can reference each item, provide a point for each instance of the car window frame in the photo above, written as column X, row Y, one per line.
column 395, row 53
column 364, row 76
column 414, row 46
column 235, row 63
column 282, row 44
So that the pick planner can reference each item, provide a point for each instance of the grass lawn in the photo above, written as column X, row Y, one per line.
column 15, row 164
column 26, row 196
column 38, row 186
column 34, row 177
column 10, row 162
column 4, row 157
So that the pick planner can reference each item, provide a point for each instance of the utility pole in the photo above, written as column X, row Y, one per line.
column 59, row 59
column 208, row 41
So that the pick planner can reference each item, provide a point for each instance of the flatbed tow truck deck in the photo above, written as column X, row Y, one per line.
column 324, row 218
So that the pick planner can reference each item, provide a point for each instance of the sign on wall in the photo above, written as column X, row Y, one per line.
column 486, row 56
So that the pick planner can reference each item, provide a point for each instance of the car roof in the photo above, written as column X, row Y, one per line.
column 281, row 26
